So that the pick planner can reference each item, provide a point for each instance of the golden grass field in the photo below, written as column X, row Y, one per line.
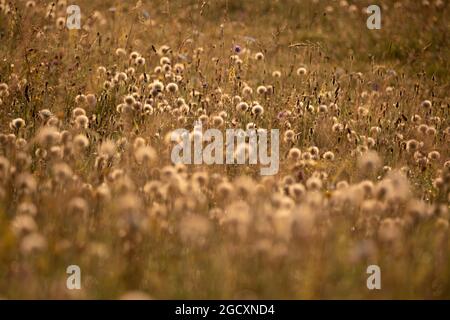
column 86, row 176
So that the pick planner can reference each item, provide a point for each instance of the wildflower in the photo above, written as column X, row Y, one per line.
column 314, row 183
column 276, row 74
column 422, row 128
column 26, row 209
column 389, row 230
column 261, row 90
column 62, row 172
column 140, row 61
column 3, row 87
column 164, row 60
column 289, row 136
column 78, row 112
column 33, row 242
column 328, row 156
column 337, row 127
column 343, row 184
column 23, row 224
column 30, row 4
column 369, row 161
column 25, row 183
column 242, row 106
column 17, row 124
column 431, row 131
column 259, row 56
column 426, row 104
column 246, row 91
column 91, row 100
column 301, row 71
column 81, row 142
column 82, row 122
column 78, row 206
column 145, row 155
column 314, row 151
column 297, row 191
column 434, row 155
column 172, row 87
column 48, row 136
column 257, row 110
column 120, row 52
column 60, row 22
column 217, row 121
column 412, row 145
column 134, row 55
column 79, row 99
column 107, row 149
column 323, row 108
column 294, row 153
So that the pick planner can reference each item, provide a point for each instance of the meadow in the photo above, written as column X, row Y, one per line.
column 86, row 177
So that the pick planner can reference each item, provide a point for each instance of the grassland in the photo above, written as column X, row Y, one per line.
column 86, row 176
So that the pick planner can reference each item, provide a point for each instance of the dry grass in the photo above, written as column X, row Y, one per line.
column 86, row 178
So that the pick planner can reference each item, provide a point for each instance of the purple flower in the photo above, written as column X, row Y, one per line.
column 237, row 48
column 281, row 115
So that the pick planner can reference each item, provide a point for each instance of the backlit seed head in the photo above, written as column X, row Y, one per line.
column 294, row 154
column 297, row 191
column 34, row 242
column 314, row 151
column 3, row 87
column 91, row 100
column 78, row 206
column 17, row 124
column 48, row 136
column 121, row 52
column 259, row 56
column 140, row 61
column 301, row 71
column 217, row 121
column 78, row 112
column 246, row 91
column 81, row 142
column 79, row 99
column 337, row 127
column 412, row 145
column 289, row 135
column 434, row 155
column 242, row 106
column 343, row 184
column 369, row 161
column 134, row 55
column 422, row 128
column 323, row 108
column 426, row 104
column 276, row 74
column 329, row 156
column 172, row 87
column 145, row 155
column 257, row 110
column 60, row 22
column 82, row 122
column 261, row 90
column 431, row 131
column 314, row 183
column 107, row 149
